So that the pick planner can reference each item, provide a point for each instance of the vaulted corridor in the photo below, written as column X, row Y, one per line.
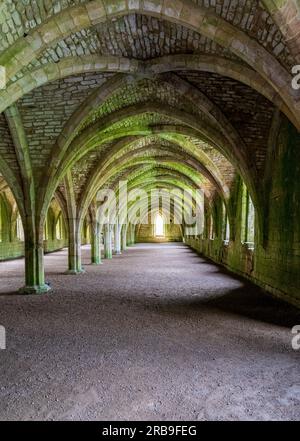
column 155, row 333
column 149, row 210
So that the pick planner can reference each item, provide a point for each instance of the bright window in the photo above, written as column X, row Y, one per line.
column 20, row 230
column 226, row 226
column 59, row 228
column 227, row 230
column 159, row 226
column 248, row 218
column 211, row 228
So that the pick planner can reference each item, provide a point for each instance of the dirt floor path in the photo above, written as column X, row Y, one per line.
column 156, row 333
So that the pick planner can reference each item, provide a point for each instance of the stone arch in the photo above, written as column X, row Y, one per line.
column 183, row 12
column 188, row 120
column 85, row 204
column 100, row 176
column 112, row 85
column 197, row 159
column 286, row 14
column 88, row 135
column 171, row 63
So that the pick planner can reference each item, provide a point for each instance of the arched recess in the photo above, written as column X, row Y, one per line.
column 14, row 185
column 11, row 243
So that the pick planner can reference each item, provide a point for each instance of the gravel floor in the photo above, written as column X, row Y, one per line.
column 156, row 333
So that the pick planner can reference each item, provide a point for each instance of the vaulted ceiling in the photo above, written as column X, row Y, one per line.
column 165, row 92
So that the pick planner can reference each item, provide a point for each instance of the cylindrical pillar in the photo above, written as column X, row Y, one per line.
column 74, row 249
column 123, row 238
column 117, row 238
column 95, row 245
column 34, row 259
column 132, row 234
column 107, row 242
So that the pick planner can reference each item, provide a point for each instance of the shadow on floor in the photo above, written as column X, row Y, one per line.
column 248, row 300
column 249, row 303
column 253, row 304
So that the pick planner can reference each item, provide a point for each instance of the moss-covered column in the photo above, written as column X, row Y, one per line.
column 32, row 217
column 117, row 238
column 128, row 235
column 34, row 259
column 108, row 241
column 6, row 227
column 131, row 234
column 74, row 229
column 95, row 244
column 74, row 249
column 123, row 238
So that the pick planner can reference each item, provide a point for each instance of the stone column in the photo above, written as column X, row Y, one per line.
column 131, row 234
column 34, row 259
column 123, row 238
column 95, row 244
column 128, row 235
column 117, row 238
column 74, row 249
column 107, row 242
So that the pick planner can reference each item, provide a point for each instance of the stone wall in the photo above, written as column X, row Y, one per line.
column 11, row 250
column 274, row 263
column 14, row 250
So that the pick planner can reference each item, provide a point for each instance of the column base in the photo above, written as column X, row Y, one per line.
column 74, row 272
column 117, row 253
column 36, row 289
column 97, row 263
